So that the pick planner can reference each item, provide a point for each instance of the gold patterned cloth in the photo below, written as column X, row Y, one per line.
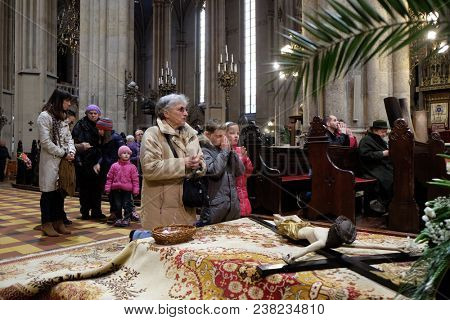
column 290, row 228
column 219, row 263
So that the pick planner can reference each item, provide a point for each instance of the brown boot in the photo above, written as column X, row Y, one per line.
column 47, row 230
column 112, row 218
column 60, row 227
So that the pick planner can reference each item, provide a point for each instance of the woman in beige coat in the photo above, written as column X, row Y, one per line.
column 163, row 174
column 56, row 143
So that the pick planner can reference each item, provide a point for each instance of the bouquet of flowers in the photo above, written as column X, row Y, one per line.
column 23, row 157
column 428, row 274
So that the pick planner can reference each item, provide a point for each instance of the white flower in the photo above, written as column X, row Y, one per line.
column 425, row 218
column 430, row 212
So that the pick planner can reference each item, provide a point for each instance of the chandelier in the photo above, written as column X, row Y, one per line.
column 227, row 76
column 69, row 26
column 167, row 83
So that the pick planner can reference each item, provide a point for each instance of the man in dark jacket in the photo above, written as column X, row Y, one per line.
column 334, row 136
column 222, row 167
column 375, row 163
column 87, row 140
column 4, row 154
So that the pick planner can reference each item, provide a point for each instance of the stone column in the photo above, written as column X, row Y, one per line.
column 377, row 84
column 7, row 69
column 310, row 105
column 35, row 64
column 215, row 40
column 106, row 54
column 181, row 65
column 400, row 82
column 162, row 28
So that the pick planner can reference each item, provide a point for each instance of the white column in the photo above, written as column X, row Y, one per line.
column 215, row 44
column 106, row 53
column 35, row 64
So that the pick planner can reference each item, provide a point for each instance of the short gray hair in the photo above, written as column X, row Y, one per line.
column 169, row 101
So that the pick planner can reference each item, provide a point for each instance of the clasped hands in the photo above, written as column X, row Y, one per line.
column 193, row 162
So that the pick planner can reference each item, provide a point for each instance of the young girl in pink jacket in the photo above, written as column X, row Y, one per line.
column 241, row 182
column 122, row 183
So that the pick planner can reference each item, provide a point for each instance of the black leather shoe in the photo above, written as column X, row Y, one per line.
column 99, row 217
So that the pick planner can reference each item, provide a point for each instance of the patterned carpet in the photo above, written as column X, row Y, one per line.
column 218, row 263
column 20, row 214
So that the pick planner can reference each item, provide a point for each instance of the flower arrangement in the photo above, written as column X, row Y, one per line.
column 22, row 156
column 426, row 277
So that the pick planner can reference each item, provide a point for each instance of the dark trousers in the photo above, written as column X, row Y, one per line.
column 2, row 169
column 52, row 206
column 91, row 189
column 119, row 200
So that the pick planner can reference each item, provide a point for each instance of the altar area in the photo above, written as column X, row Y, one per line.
column 219, row 263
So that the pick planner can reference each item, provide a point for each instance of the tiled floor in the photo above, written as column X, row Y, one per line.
column 20, row 214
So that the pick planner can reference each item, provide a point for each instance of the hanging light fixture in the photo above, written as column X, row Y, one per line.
column 69, row 26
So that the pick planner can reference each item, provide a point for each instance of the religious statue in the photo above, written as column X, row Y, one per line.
column 341, row 233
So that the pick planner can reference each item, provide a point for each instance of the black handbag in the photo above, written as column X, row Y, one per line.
column 195, row 188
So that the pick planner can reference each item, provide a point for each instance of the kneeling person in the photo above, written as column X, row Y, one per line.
column 222, row 167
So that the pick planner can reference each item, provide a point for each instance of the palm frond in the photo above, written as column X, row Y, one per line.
column 335, row 42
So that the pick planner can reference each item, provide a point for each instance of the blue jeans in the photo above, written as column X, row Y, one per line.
column 141, row 234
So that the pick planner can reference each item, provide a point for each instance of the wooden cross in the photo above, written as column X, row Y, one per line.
column 335, row 259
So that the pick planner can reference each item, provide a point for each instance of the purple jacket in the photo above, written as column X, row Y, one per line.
column 122, row 176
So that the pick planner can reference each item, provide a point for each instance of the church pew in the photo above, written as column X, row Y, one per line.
column 334, row 183
column 280, row 174
column 403, row 209
column 428, row 166
column 415, row 164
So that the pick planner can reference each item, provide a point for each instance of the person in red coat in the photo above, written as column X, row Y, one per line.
column 241, row 181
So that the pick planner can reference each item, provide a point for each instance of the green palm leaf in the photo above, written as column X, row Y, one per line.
column 354, row 32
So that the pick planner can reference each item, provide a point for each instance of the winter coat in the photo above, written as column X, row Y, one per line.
column 338, row 139
column 51, row 153
column 373, row 164
column 241, row 186
column 134, row 147
column 123, row 175
column 109, row 154
column 162, row 185
column 86, row 131
column 223, row 166
column 4, row 154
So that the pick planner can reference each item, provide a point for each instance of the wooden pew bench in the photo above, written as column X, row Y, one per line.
column 334, row 180
column 281, row 178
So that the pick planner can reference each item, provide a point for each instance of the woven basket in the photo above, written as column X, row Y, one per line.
column 175, row 233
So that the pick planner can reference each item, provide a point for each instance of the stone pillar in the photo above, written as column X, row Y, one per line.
column 400, row 82
column 35, row 64
column 215, row 40
column 106, row 54
column 181, row 65
column 7, row 70
column 310, row 105
column 377, row 75
column 162, row 28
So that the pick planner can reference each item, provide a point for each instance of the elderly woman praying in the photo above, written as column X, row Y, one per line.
column 163, row 171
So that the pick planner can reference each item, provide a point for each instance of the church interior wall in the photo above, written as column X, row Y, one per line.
column 107, row 49
column 234, row 30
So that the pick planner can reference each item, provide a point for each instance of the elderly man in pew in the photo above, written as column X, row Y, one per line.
column 375, row 163
column 337, row 133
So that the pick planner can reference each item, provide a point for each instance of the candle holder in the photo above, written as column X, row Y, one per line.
column 227, row 76
column 167, row 83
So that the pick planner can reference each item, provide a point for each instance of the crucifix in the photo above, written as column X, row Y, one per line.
column 334, row 259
